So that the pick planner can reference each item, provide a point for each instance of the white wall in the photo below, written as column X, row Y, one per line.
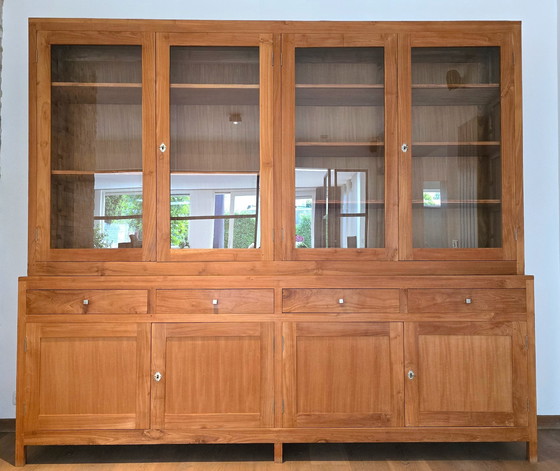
column 540, row 93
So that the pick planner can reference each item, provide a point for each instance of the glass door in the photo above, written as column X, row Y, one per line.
column 340, row 140
column 459, row 109
column 215, row 124
column 98, row 98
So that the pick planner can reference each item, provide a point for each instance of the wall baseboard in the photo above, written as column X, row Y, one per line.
column 543, row 422
column 548, row 421
column 7, row 425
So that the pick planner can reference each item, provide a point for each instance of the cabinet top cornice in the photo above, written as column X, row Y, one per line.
column 215, row 26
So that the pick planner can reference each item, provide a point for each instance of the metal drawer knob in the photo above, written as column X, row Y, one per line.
column 468, row 300
column 86, row 302
column 411, row 375
column 341, row 301
column 157, row 376
column 214, row 302
column 404, row 147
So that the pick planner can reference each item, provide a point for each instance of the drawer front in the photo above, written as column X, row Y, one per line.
column 340, row 300
column 215, row 301
column 94, row 301
column 467, row 300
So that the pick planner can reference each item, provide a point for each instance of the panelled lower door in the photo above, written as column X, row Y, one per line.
column 466, row 374
column 343, row 374
column 212, row 375
column 85, row 377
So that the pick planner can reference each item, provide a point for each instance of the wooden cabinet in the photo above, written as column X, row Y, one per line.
column 466, row 373
column 275, row 232
column 212, row 375
column 357, row 367
column 87, row 377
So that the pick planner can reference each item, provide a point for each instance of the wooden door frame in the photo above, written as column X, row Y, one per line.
column 289, row 43
column 164, row 43
column 510, row 150
column 40, row 148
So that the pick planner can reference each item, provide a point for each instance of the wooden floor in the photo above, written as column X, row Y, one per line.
column 316, row 457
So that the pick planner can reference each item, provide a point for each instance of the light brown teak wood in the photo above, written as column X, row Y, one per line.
column 466, row 374
column 213, row 375
column 341, row 374
column 255, row 346
column 87, row 379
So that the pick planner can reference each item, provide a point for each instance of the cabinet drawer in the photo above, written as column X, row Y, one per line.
column 467, row 300
column 340, row 300
column 91, row 301
column 215, row 301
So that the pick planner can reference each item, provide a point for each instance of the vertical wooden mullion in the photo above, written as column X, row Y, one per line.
column 397, row 378
column 267, row 378
column 159, row 348
column 520, row 399
column 32, row 377
column 163, row 136
column 143, row 376
column 507, row 146
column 277, row 149
column 266, row 108
column 288, row 146
column 391, row 148
column 518, row 149
column 21, row 395
column 289, row 340
column 405, row 136
column 42, row 233
column 411, row 389
column 149, row 209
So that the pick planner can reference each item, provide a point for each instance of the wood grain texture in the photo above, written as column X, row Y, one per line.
column 242, row 301
column 92, row 379
column 456, row 300
column 213, row 375
column 71, row 301
column 354, row 365
column 328, row 300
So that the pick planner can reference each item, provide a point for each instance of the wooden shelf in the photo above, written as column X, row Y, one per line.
column 456, row 95
column 214, row 94
column 95, row 172
column 97, row 93
column 340, row 95
column 340, row 149
column 456, row 149
column 460, row 202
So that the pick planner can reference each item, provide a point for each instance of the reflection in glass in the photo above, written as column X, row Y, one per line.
column 214, row 153
column 214, row 211
column 96, row 146
column 456, row 152
column 339, row 200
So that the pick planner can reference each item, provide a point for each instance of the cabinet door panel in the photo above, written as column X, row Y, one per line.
column 466, row 374
column 343, row 374
column 213, row 375
column 88, row 376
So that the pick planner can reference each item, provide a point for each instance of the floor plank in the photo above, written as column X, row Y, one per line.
column 300, row 457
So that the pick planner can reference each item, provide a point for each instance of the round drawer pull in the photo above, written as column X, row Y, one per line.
column 468, row 301
column 215, row 302
column 341, row 301
column 86, row 302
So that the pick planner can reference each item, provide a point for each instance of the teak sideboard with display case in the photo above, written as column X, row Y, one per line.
column 275, row 232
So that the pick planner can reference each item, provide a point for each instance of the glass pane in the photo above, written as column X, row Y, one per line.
column 340, row 168
column 96, row 211
column 456, row 154
column 96, row 146
column 214, row 153
column 214, row 211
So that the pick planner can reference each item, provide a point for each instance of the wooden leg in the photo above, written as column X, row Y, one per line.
column 21, row 453
column 532, row 454
column 278, row 455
